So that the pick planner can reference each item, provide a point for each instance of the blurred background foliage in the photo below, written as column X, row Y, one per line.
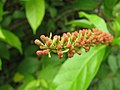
column 21, row 69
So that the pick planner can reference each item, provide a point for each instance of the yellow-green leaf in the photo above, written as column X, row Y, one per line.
column 35, row 10
column 10, row 38
column 97, row 21
column 77, row 72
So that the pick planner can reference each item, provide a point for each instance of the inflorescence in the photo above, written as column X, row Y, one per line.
column 72, row 43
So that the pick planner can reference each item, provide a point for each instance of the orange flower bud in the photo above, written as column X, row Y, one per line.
column 45, row 52
column 37, row 42
column 71, row 43
column 48, row 43
column 39, row 52
column 59, row 46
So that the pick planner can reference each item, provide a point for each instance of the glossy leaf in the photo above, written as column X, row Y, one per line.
column 10, row 38
column 35, row 10
column 81, row 23
column 77, row 72
column 33, row 85
column 97, row 21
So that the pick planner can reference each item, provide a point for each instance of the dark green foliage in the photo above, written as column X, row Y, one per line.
column 22, row 21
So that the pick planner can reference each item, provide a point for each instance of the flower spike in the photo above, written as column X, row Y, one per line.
column 72, row 43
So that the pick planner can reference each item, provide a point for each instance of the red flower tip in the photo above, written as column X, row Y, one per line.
column 79, row 53
column 60, row 56
column 57, row 37
column 76, row 44
column 39, row 52
column 60, row 53
column 72, row 43
column 92, row 45
column 73, row 52
column 68, row 34
column 45, row 52
column 73, row 37
column 48, row 43
column 42, row 37
column 72, row 48
column 70, row 55
column 75, row 33
column 65, row 37
column 82, row 43
column 59, row 46
column 69, row 45
column 41, row 47
column 37, row 42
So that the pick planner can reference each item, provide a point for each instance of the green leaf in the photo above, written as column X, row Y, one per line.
column 112, row 61
column 30, row 50
column 0, row 64
column 116, row 41
column 18, row 14
column 85, row 4
column 27, row 78
column 51, row 67
column 97, row 21
column 51, row 70
column 118, row 60
column 7, row 20
column 106, row 84
column 44, row 83
column 1, row 10
column 6, row 87
column 116, row 81
column 4, row 53
column 35, row 10
column 77, row 72
column 10, row 38
column 116, row 10
column 18, row 77
column 116, row 26
column 109, row 3
column 108, row 7
column 82, row 23
column 33, row 85
column 53, row 11
column 103, row 72
column 28, row 66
